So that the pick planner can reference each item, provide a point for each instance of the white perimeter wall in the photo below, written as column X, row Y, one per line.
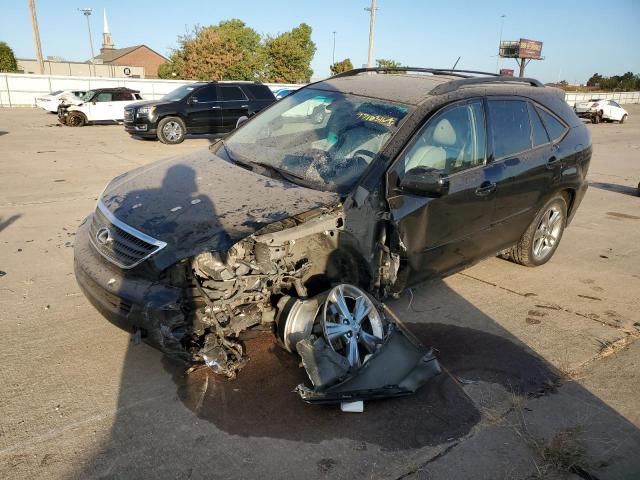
column 21, row 90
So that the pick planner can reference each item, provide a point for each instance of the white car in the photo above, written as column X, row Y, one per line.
column 52, row 101
column 103, row 105
column 598, row 109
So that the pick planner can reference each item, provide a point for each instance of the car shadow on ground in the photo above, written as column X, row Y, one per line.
column 168, row 422
column 614, row 187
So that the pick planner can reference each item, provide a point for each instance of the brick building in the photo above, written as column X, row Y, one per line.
column 138, row 55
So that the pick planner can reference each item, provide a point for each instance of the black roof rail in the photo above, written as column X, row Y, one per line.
column 467, row 82
column 434, row 71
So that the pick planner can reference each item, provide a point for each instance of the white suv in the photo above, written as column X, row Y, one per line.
column 598, row 110
column 104, row 105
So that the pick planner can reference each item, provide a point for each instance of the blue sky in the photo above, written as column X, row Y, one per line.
column 580, row 37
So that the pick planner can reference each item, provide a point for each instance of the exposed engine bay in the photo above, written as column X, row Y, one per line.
column 284, row 279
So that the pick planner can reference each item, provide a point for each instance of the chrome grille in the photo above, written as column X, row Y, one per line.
column 118, row 242
column 128, row 114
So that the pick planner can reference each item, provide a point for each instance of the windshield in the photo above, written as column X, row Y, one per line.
column 179, row 93
column 321, row 139
column 88, row 96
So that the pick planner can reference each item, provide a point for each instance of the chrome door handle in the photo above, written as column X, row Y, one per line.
column 215, row 108
column 244, row 106
column 485, row 189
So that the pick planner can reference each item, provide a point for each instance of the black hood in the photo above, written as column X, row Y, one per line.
column 145, row 103
column 200, row 202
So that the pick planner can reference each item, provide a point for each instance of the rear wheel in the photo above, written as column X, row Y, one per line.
column 540, row 241
column 624, row 118
column 171, row 130
column 76, row 119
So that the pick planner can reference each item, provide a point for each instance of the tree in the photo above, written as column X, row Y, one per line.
column 383, row 62
column 343, row 66
column 167, row 70
column 227, row 51
column 288, row 56
column 7, row 59
column 595, row 80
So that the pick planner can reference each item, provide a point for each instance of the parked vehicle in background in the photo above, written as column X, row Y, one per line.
column 598, row 110
column 283, row 92
column 103, row 105
column 214, row 107
column 407, row 178
column 52, row 101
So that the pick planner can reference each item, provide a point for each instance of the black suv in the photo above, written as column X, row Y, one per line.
column 214, row 107
column 299, row 226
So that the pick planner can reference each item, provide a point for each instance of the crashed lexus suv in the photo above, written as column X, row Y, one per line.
column 301, row 226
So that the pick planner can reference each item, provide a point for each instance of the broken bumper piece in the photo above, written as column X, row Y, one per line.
column 399, row 367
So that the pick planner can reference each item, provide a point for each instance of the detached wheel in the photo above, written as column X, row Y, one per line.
column 624, row 118
column 595, row 118
column 540, row 241
column 171, row 130
column 76, row 119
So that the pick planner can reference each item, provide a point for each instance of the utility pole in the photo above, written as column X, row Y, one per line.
column 499, row 43
column 333, row 56
column 36, row 35
column 372, row 26
column 87, row 14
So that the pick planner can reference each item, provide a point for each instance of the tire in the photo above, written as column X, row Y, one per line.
column 624, row 118
column 596, row 118
column 171, row 130
column 76, row 119
column 539, row 242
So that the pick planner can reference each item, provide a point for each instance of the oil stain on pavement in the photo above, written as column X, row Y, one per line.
column 261, row 402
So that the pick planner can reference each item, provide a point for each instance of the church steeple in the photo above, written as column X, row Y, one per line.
column 107, row 42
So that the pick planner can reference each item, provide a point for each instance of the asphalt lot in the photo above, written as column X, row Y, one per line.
column 547, row 360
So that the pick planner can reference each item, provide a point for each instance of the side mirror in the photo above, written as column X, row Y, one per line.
column 427, row 182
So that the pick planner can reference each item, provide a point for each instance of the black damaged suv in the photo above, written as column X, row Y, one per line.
column 213, row 107
column 298, row 225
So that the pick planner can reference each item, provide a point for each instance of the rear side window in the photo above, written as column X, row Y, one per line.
column 232, row 93
column 510, row 127
column 206, row 94
column 538, row 133
column 555, row 128
column 122, row 96
column 260, row 92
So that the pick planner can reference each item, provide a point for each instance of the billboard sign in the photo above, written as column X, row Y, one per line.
column 506, row 72
column 529, row 49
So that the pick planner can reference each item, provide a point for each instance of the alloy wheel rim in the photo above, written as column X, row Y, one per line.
column 172, row 131
column 352, row 324
column 548, row 233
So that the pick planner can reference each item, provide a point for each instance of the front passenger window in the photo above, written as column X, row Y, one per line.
column 103, row 97
column 451, row 141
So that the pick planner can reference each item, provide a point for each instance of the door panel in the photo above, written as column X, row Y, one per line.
column 527, row 172
column 204, row 110
column 442, row 234
column 234, row 105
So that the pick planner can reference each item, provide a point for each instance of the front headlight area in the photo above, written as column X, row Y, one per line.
column 146, row 111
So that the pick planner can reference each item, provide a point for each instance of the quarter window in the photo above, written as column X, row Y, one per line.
column 539, row 134
column 553, row 125
column 510, row 127
column 232, row 93
column 452, row 141
column 122, row 97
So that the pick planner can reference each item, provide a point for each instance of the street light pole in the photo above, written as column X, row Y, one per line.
column 36, row 36
column 372, row 26
column 333, row 56
column 500, row 42
column 87, row 14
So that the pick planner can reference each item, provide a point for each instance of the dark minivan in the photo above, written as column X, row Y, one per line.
column 297, row 226
column 213, row 107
